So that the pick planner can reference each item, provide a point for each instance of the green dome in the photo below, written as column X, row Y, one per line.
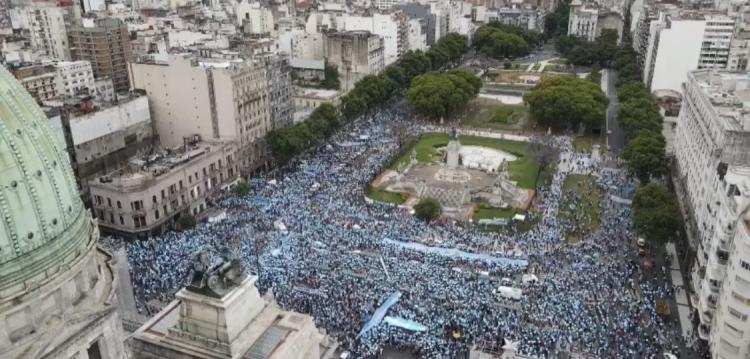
column 44, row 227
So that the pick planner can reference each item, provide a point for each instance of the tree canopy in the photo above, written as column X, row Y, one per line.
column 331, row 81
column 290, row 141
column 655, row 213
column 564, row 101
column 504, row 41
column 578, row 51
column 644, row 156
column 242, row 188
column 437, row 95
column 427, row 209
column 556, row 22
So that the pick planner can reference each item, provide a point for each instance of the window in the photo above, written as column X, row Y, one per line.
column 136, row 205
column 156, row 214
column 153, row 198
column 94, row 352
column 162, row 194
column 180, row 184
column 109, row 202
column 735, row 313
column 98, row 200
column 745, row 265
column 122, row 221
column 734, row 331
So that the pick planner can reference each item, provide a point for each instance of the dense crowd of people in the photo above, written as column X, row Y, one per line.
column 313, row 239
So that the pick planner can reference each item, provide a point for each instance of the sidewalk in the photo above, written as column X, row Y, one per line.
column 683, row 305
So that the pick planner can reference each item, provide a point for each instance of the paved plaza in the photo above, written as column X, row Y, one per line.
column 322, row 249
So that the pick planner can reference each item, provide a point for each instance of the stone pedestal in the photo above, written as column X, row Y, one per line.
column 217, row 322
column 453, row 151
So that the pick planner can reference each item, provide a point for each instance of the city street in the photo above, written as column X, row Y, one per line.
column 615, row 136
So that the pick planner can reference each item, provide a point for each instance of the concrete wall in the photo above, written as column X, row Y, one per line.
column 179, row 99
column 678, row 51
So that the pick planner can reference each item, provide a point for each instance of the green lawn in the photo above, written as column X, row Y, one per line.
column 486, row 212
column 523, row 170
column 579, row 208
column 536, row 67
column 494, row 114
column 385, row 196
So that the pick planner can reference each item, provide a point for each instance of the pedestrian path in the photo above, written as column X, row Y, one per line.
column 683, row 305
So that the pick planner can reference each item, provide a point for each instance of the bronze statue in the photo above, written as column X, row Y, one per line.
column 215, row 280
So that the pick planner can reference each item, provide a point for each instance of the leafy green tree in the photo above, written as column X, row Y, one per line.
column 397, row 75
column 427, row 209
column 644, row 156
column 499, row 43
column 556, row 22
column 595, row 75
column 185, row 222
column 566, row 102
column 331, row 81
column 655, row 213
column 638, row 115
column 437, row 95
column 242, row 188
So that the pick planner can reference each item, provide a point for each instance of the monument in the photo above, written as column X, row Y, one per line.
column 462, row 175
column 221, row 314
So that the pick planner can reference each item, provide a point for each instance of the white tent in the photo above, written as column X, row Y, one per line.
column 509, row 292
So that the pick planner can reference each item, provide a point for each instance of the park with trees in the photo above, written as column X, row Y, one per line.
column 437, row 95
column 567, row 102
column 501, row 41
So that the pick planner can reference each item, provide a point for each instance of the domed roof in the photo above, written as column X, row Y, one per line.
column 44, row 227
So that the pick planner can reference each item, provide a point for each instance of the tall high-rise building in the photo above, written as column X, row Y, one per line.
column 107, row 47
column 713, row 183
column 58, row 291
column 217, row 99
column 47, row 30
column 680, row 41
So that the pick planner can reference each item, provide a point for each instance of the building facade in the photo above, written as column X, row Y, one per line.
column 681, row 43
column 147, row 196
column 713, row 184
column 104, row 137
column 39, row 80
column 355, row 54
column 214, row 98
column 583, row 20
column 392, row 27
column 58, row 291
column 107, row 47
column 75, row 78
column 47, row 31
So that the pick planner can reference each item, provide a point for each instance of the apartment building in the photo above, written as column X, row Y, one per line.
column 681, row 41
column 152, row 192
column 75, row 78
column 107, row 47
column 713, row 184
column 218, row 99
column 47, row 31
column 392, row 27
column 355, row 54
column 254, row 18
column 39, row 80
column 583, row 20
column 103, row 136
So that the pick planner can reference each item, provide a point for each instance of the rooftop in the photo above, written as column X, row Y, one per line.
column 729, row 93
column 141, row 171
column 318, row 94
